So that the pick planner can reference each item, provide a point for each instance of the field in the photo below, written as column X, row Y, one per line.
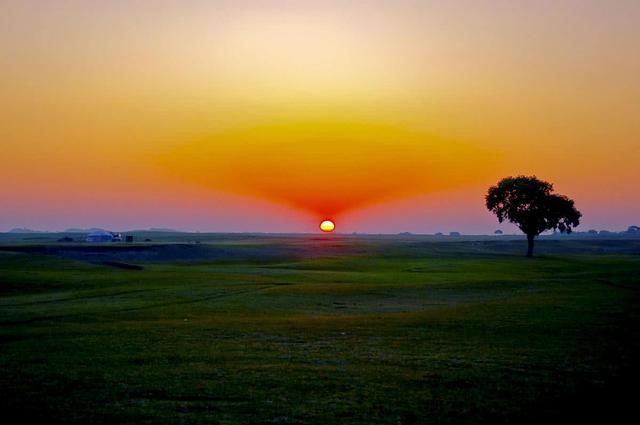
column 319, row 330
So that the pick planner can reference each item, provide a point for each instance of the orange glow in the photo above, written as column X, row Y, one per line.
column 235, row 112
column 327, row 226
column 327, row 167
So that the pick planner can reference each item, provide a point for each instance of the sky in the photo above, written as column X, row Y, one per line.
column 270, row 116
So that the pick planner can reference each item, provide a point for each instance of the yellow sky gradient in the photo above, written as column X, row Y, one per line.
column 323, row 107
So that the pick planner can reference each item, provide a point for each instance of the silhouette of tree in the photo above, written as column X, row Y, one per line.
column 530, row 204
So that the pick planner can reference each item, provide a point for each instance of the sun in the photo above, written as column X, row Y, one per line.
column 327, row 226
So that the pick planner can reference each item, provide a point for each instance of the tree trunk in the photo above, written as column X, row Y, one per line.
column 530, row 238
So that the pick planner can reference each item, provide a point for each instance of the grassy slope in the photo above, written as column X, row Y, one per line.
column 420, row 333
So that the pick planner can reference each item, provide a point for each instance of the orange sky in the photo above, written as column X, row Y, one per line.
column 271, row 115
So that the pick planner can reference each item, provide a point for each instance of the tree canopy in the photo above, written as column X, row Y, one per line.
column 530, row 204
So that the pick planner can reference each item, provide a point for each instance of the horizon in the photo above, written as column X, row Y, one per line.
column 271, row 116
column 453, row 233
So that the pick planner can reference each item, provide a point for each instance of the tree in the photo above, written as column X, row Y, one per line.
column 530, row 204
column 633, row 229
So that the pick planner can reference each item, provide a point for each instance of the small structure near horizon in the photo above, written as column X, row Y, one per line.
column 103, row 236
column 497, row 232
column 454, row 233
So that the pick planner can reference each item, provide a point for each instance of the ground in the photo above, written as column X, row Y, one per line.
column 304, row 330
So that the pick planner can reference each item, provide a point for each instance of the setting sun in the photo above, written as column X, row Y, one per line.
column 327, row 226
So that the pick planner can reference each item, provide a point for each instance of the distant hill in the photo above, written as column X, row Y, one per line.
column 156, row 230
column 99, row 229
column 24, row 230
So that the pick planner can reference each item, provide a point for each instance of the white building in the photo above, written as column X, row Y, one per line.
column 100, row 236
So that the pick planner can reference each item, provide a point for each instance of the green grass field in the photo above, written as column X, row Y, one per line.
column 301, row 330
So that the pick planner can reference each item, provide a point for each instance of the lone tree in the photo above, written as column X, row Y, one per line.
column 529, row 203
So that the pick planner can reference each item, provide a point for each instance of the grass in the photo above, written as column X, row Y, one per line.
column 322, row 331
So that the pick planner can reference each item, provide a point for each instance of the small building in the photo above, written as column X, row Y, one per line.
column 100, row 236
